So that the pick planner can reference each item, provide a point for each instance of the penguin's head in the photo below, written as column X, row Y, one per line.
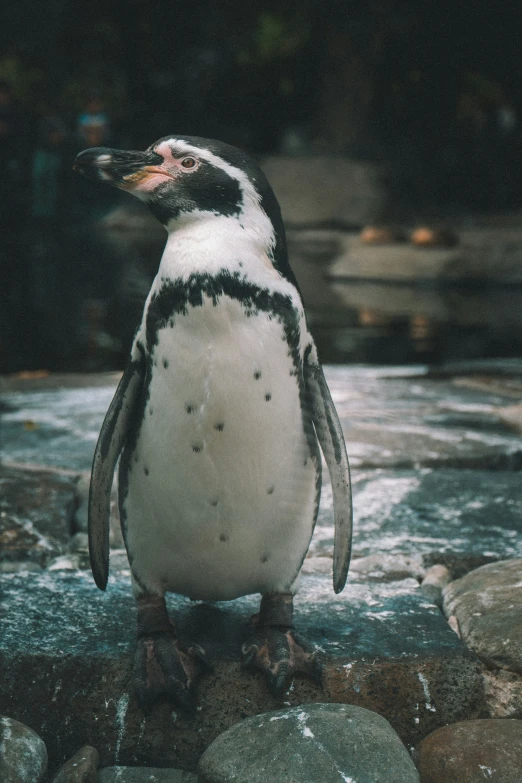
column 178, row 177
column 191, row 179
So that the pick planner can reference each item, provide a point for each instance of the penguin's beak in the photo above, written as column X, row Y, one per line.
column 121, row 168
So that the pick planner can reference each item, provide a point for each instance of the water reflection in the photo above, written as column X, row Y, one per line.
column 82, row 283
column 429, row 322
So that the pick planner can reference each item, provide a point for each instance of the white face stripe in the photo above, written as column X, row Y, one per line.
column 251, row 198
column 200, row 152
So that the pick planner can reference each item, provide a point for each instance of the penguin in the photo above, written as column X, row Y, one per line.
column 218, row 419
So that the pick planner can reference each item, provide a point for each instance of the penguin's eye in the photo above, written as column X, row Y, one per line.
column 189, row 163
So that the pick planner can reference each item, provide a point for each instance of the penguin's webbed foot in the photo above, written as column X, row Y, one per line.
column 280, row 654
column 275, row 648
column 164, row 669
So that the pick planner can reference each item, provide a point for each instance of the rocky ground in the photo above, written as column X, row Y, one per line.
column 422, row 650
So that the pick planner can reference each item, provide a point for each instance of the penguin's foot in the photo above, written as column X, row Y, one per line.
column 275, row 648
column 163, row 668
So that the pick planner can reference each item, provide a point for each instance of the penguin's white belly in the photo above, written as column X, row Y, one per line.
column 221, row 490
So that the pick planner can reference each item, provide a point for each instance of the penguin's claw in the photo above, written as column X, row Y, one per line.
column 163, row 669
column 279, row 654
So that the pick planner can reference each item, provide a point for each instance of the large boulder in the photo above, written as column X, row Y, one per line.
column 487, row 605
column 310, row 743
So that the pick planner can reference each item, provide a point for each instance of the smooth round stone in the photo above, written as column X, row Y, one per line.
column 473, row 751
column 23, row 755
column 81, row 768
column 310, row 743
column 487, row 604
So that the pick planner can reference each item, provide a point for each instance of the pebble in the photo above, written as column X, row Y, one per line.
column 23, row 755
column 310, row 743
column 437, row 577
column 472, row 751
column 81, row 768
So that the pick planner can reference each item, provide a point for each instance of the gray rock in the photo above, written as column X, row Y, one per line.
column 316, row 190
column 487, row 604
column 398, row 262
column 309, row 743
column 69, row 647
column 393, row 421
column 461, row 563
column 69, row 562
column 472, row 752
column 422, row 445
column 81, row 768
column 145, row 775
column 503, row 693
column 36, row 508
column 387, row 568
column 465, row 516
column 483, row 255
column 437, row 577
column 79, row 543
column 23, row 755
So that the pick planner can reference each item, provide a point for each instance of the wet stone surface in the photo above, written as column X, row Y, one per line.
column 436, row 479
column 311, row 743
column 385, row 647
column 36, row 510
column 472, row 512
column 391, row 418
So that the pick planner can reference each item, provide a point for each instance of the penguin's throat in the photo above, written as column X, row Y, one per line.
column 211, row 243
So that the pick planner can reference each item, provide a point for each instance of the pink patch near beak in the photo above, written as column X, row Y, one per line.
column 146, row 179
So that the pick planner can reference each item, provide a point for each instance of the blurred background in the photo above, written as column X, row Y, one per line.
column 390, row 131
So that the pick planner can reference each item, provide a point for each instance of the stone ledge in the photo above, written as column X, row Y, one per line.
column 67, row 649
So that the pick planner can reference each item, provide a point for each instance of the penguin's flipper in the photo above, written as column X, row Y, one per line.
column 110, row 442
column 329, row 432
